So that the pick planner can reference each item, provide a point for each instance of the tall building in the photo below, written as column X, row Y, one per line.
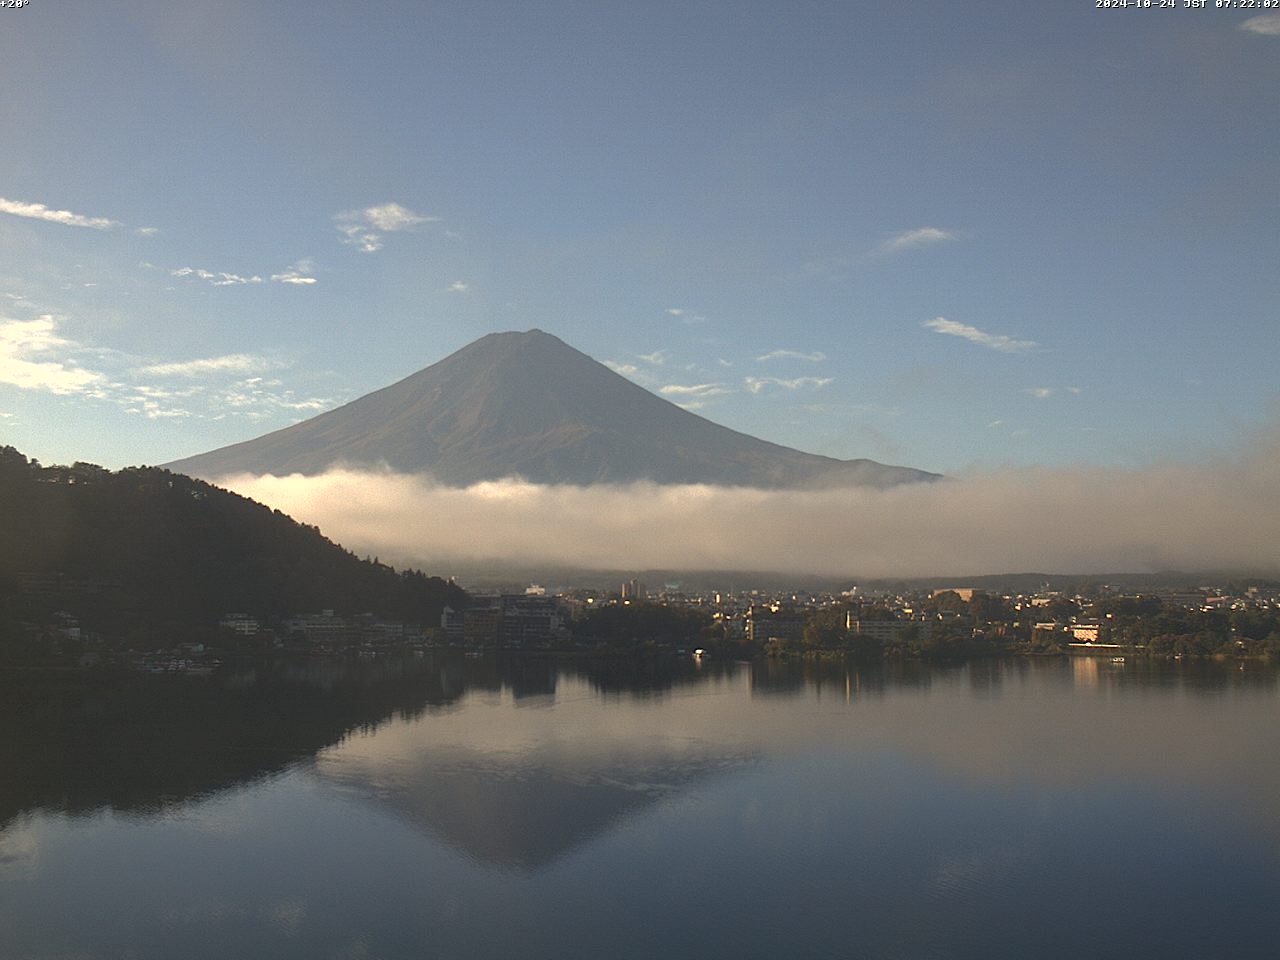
column 530, row 620
column 511, row 620
column 767, row 623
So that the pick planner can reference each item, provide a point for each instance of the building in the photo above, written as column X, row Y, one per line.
column 511, row 620
column 323, row 627
column 890, row 631
column 530, row 621
column 453, row 623
column 240, row 624
column 482, row 624
column 1085, row 632
column 774, row 623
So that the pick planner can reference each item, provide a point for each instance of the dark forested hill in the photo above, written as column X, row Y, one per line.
column 144, row 548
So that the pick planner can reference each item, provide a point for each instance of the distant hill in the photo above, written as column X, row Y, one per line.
column 142, row 549
column 529, row 405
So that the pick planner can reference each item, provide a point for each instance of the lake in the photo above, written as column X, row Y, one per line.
column 481, row 808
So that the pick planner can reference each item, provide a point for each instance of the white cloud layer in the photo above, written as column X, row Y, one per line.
column 1190, row 517
column 38, row 211
column 22, row 342
column 992, row 341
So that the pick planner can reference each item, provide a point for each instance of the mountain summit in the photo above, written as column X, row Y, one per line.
column 529, row 405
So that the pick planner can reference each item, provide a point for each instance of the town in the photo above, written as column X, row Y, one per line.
column 1235, row 619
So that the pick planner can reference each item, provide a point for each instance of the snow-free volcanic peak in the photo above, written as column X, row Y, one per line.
column 529, row 405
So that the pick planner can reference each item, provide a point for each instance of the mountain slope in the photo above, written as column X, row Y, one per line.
column 529, row 405
column 146, row 549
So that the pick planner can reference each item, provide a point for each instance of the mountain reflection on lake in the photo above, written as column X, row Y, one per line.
column 453, row 807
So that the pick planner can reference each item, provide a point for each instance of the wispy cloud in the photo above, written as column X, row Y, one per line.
column 1268, row 24
column 33, row 356
column 1043, row 393
column 24, row 344
column 458, row 286
column 249, row 398
column 215, row 277
column 364, row 228
column 643, row 375
column 147, row 231
column 356, row 236
column 837, row 267
column 392, row 216
column 688, row 316
column 155, row 410
column 626, row 369
column 697, row 391
column 757, row 384
column 228, row 363
column 293, row 277
column 257, row 399
column 298, row 274
column 38, row 211
column 992, row 341
column 924, row 236
column 815, row 357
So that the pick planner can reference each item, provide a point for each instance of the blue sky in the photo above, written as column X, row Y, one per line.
column 944, row 235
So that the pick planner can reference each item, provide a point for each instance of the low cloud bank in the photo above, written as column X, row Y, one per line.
column 1222, row 515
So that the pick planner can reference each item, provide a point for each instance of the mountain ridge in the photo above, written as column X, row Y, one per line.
column 529, row 405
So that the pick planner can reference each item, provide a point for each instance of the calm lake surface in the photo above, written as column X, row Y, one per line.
column 445, row 807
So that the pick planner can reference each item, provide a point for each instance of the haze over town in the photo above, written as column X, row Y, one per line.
column 1218, row 517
